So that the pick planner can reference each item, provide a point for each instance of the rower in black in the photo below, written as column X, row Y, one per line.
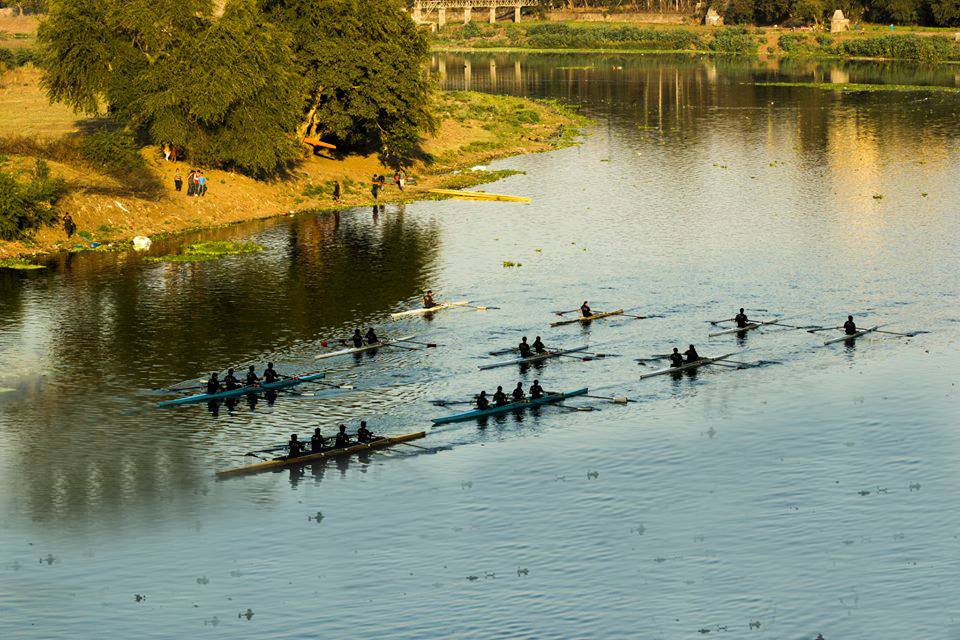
column 252, row 377
column 525, row 350
column 364, row 435
column 585, row 311
column 357, row 338
column 691, row 355
column 270, row 374
column 676, row 358
column 343, row 438
column 372, row 337
column 849, row 327
column 428, row 301
column 230, row 381
column 741, row 319
column 518, row 394
column 317, row 442
column 213, row 384
column 536, row 391
column 294, row 447
column 538, row 346
column 482, row 401
column 500, row 398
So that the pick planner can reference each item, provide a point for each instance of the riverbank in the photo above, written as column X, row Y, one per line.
column 473, row 130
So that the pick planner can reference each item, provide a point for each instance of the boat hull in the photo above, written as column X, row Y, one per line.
column 421, row 312
column 685, row 367
column 366, row 347
column 596, row 316
column 852, row 336
column 242, row 391
column 271, row 465
column 513, row 406
column 750, row 327
column 540, row 357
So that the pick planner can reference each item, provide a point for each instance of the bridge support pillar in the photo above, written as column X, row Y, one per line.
column 467, row 75
column 467, row 14
column 516, row 13
column 493, row 15
column 441, row 17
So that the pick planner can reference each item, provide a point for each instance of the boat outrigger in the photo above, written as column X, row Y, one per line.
column 550, row 398
column 366, row 347
column 690, row 365
column 429, row 310
column 279, row 463
column 587, row 319
column 285, row 383
column 749, row 327
column 537, row 357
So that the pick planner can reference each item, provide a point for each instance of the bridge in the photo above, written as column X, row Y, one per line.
column 420, row 7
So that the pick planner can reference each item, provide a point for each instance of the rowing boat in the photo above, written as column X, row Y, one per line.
column 478, row 195
column 587, row 319
column 750, row 327
column 539, row 357
column 852, row 336
column 280, row 463
column 550, row 398
column 366, row 347
column 240, row 391
column 424, row 311
column 684, row 367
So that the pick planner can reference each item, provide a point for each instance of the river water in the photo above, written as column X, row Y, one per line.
column 817, row 495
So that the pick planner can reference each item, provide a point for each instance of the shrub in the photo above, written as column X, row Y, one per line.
column 901, row 47
column 471, row 30
column 793, row 42
column 24, row 207
column 733, row 40
column 113, row 149
column 564, row 36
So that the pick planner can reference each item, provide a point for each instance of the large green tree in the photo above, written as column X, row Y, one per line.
column 363, row 62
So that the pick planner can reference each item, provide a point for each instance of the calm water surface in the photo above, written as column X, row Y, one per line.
column 816, row 495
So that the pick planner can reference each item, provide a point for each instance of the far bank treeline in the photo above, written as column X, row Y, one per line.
column 237, row 84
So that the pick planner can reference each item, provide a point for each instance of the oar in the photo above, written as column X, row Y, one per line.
column 320, row 382
column 416, row 446
column 905, row 335
column 760, row 310
column 587, row 408
column 630, row 315
column 482, row 308
column 444, row 403
column 560, row 313
column 429, row 345
column 614, row 399
column 719, row 321
column 823, row 329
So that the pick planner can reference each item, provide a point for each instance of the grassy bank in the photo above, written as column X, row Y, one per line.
column 110, row 206
column 928, row 46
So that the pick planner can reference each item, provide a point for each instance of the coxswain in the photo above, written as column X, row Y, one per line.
column 213, row 384
column 585, row 311
column 372, row 337
column 741, row 319
column 524, row 348
column 364, row 435
column 849, row 327
column 428, row 301
column 536, row 391
column 230, row 381
column 538, row 346
column 252, row 377
column 482, row 401
column 270, row 374
column 294, row 447
column 500, row 398
column 518, row 394
column 676, row 358
column 343, row 438
column 317, row 442
column 357, row 338
column 691, row 355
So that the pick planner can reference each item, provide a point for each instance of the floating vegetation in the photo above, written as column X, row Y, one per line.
column 209, row 250
column 508, row 263
column 853, row 87
column 19, row 264
column 878, row 196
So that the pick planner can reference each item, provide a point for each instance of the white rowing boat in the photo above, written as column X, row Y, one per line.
column 538, row 357
column 684, row 367
column 587, row 319
column 750, row 327
column 366, row 347
column 439, row 307
column 852, row 336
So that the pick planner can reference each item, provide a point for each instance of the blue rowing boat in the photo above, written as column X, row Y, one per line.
column 241, row 391
column 550, row 398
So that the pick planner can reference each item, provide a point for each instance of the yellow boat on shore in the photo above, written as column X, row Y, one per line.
column 478, row 195
column 279, row 463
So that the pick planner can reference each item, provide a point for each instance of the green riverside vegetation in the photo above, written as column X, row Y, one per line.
column 854, row 87
column 208, row 250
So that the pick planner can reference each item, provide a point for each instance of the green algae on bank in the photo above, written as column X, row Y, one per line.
column 854, row 87
column 20, row 265
column 208, row 250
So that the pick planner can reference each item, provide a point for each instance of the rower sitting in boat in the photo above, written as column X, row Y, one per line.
column 525, row 350
column 317, row 442
column 585, row 311
column 213, row 384
column 849, row 327
column 538, row 346
column 691, row 355
column 518, row 394
column 270, row 374
column 343, row 438
column 536, row 391
column 230, row 381
column 252, row 378
column 364, row 435
column 676, row 358
column 357, row 338
column 294, row 447
column 741, row 319
column 500, row 398
column 482, row 401
column 372, row 337
column 428, row 301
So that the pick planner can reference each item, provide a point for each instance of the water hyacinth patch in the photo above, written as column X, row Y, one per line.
column 209, row 250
